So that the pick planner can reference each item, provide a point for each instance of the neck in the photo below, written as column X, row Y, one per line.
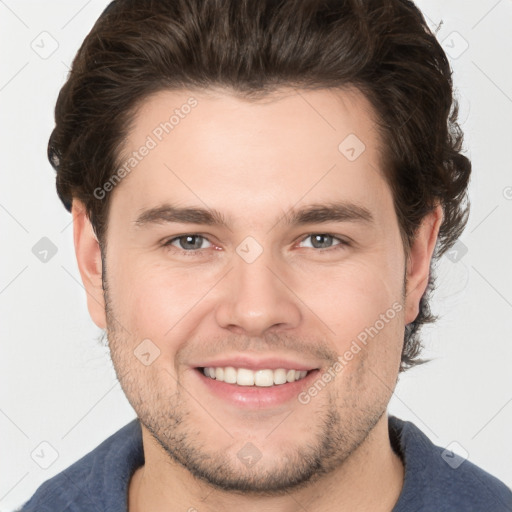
column 370, row 478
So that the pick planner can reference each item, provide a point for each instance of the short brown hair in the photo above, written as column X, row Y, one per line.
column 384, row 48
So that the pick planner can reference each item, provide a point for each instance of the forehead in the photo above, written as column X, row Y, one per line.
column 286, row 116
column 218, row 149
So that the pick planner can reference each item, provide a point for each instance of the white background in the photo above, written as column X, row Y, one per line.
column 58, row 385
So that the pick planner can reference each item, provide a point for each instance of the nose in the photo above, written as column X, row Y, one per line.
column 257, row 297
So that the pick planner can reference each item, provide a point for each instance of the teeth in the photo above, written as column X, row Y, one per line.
column 245, row 377
column 264, row 378
column 229, row 375
column 279, row 376
column 260, row 378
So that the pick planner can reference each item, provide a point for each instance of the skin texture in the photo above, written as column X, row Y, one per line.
column 254, row 162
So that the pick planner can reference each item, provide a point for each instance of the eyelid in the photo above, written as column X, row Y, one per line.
column 343, row 241
column 167, row 243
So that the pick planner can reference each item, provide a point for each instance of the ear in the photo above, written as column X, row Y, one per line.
column 88, row 255
column 418, row 261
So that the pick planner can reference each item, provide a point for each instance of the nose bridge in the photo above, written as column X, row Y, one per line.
column 256, row 296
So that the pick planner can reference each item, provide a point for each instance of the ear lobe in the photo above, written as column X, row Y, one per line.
column 418, row 261
column 88, row 255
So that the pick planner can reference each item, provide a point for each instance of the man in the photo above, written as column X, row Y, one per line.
column 259, row 190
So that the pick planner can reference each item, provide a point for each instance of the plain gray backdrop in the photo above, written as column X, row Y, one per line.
column 59, row 397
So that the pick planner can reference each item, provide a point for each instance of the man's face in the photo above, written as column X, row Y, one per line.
column 262, row 291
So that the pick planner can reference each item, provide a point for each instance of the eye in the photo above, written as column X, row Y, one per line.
column 188, row 243
column 323, row 241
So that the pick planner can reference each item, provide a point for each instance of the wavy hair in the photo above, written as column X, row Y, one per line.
column 384, row 48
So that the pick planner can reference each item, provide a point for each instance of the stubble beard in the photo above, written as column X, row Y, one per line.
column 338, row 431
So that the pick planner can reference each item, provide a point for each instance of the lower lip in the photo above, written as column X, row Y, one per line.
column 257, row 397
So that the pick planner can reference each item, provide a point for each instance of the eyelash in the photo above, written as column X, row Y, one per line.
column 342, row 243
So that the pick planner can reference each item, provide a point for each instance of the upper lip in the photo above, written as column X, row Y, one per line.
column 254, row 363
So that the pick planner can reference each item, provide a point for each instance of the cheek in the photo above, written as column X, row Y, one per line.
column 154, row 298
column 363, row 307
column 354, row 297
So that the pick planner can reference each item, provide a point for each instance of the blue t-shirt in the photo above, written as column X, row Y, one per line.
column 435, row 480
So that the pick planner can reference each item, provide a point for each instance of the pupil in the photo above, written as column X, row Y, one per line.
column 319, row 241
column 188, row 239
column 318, row 238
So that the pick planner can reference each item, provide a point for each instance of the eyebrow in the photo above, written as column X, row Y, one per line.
column 312, row 214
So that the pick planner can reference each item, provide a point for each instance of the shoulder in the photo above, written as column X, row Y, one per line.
column 95, row 480
column 439, row 480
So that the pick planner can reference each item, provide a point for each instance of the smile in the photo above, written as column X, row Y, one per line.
column 258, row 378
